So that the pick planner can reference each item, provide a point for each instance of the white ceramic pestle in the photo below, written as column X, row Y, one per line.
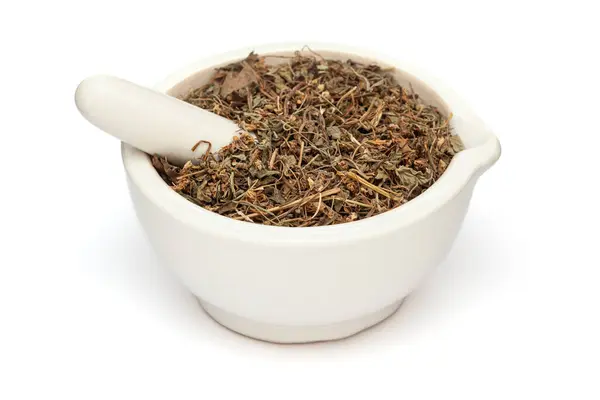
column 153, row 122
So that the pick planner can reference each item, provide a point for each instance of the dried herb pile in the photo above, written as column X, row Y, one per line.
column 333, row 142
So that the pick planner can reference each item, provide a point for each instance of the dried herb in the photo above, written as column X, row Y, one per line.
column 330, row 142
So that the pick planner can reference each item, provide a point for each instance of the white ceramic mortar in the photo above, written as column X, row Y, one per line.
column 293, row 285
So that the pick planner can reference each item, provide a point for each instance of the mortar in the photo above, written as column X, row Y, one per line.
column 293, row 285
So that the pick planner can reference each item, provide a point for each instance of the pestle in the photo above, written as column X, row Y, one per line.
column 153, row 122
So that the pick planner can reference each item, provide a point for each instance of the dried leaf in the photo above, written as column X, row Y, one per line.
column 382, row 175
column 277, row 197
column 236, row 81
column 264, row 173
column 158, row 165
column 288, row 160
column 286, row 74
column 456, row 144
column 334, row 132
column 410, row 177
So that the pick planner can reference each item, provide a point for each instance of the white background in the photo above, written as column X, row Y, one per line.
column 513, row 313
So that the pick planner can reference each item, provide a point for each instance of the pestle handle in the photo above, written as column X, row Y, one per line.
column 153, row 122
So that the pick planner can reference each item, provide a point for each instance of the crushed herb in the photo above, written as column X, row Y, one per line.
column 324, row 142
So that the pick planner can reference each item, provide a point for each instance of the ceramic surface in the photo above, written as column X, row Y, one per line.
column 320, row 283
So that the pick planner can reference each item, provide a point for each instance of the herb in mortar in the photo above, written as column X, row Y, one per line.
column 331, row 142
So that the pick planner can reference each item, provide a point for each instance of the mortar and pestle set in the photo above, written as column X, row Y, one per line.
column 284, row 284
